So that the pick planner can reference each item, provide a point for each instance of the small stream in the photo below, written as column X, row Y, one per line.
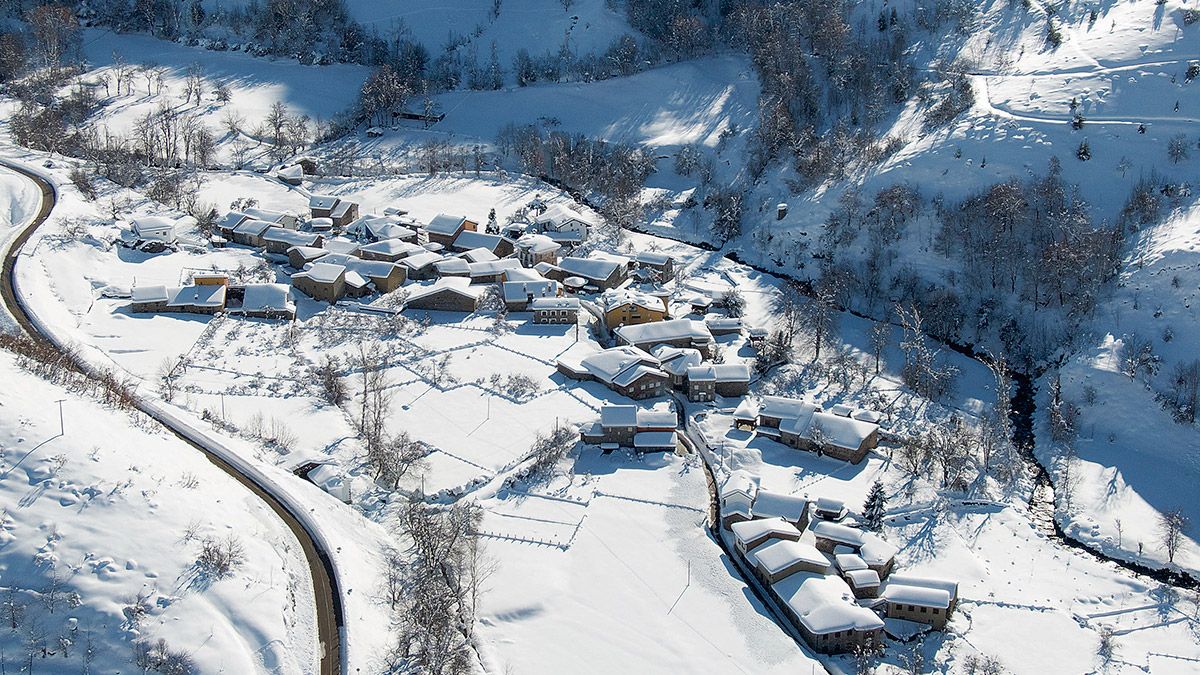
column 1042, row 503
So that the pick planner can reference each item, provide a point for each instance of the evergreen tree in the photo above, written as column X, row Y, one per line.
column 873, row 509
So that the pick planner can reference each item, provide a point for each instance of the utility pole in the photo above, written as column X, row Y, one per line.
column 62, row 429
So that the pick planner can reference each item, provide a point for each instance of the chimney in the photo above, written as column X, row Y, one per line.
column 781, row 211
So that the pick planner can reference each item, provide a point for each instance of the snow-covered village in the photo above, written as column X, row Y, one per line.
column 599, row 336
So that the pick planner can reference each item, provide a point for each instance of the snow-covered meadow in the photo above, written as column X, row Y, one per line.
column 101, row 531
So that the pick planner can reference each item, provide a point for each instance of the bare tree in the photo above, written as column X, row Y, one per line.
column 1107, row 649
column 13, row 608
column 394, row 458
column 879, row 336
column 1171, row 527
column 1185, row 391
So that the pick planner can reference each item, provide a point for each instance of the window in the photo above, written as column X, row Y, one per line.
column 924, row 610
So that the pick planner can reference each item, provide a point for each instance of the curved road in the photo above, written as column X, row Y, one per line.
column 325, row 589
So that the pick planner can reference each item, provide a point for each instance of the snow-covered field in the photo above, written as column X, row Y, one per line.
column 100, row 530
column 627, row 578
column 1135, row 461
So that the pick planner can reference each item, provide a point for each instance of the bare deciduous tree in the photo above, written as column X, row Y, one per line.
column 1171, row 527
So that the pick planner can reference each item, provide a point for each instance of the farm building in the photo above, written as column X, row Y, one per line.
column 494, row 243
column 518, row 295
column 452, row 294
column 555, row 310
column 822, row 607
column 674, row 332
column 389, row 250
column 779, row 558
column 197, row 299
column 444, row 229
column 627, row 307
column 532, row 249
column 280, row 240
column 626, row 370
column 706, row 382
column 322, row 281
column 675, row 361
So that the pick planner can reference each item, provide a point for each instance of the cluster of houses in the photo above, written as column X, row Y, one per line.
column 643, row 429
column 444, row 264
column 833, row 581
column 842, row 432
column 212, row 294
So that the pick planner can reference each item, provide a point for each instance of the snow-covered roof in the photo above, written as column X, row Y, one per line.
column 554, row 303
column 322, row 202
column 537, row 244
column 322, row 272
column 875, row 551
column 356, row 280
column 776, row 555
column 197, row 296
column 308, row 253
column 723, row 323
column 523, row 274
column 457, row 285
column 740, row 482
column 618, row 415
column 232, row 219
column 753, row 530
column 269, row 215
column 842, row 432
column 391, row 247
column 842, row 534
column 652, row 258
column 480, row 254
column 557, row 214
column 948, row 585
column 321, row 224
column 841, row 409
column 417, row 261
column 342, row 208
column 829, row 505
column 781, row 407
column 253, row 227
column 776, row 504
column 824, row 604
column 850, row 562
column 620, row 297
column 720, row 372
column 746, row 410
column 593, row 269
column 922, row 596
column 700, row 301
column 609, row 364
column 866, row 416
column 154, row 227
column 665, row 331
column 677, row 360
column 654, row 439
column 292, row 237
column 633, row 374
column 656, row 419
column 863, row 578
column 470, row 239
column 294, row 172
column 268, row 297
column 149, row 293
column 453, row 267
column 516, row 291
column 488, row 268
column 444, row 224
